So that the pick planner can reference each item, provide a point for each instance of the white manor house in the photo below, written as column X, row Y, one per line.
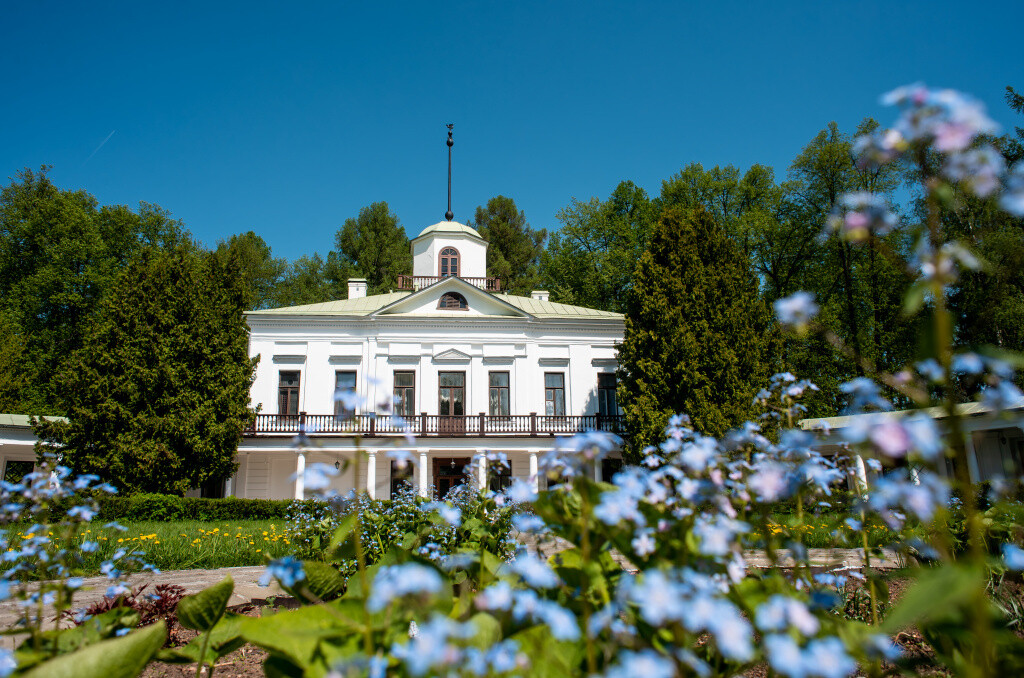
column 468, row 367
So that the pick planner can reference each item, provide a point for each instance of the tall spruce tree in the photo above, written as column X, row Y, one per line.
column 158, row 395
column 699, row 338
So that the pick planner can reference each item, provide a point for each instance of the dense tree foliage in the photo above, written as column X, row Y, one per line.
column 699, row 338
column 262, row 274
column 158, row 395
column 590, row 260
column 514, row 249
column 373, row 246
column 60, row 253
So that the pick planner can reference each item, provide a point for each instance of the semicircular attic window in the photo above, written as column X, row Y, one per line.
column 453, row 301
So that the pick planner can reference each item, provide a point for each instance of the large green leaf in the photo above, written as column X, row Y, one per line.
column 549, row 658
column 201, row 611
column 938, row 593
column 297, row 633
column 124, row 657
column 323, row 582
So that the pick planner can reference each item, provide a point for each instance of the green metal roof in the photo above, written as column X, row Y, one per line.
column 346, row 307
column 450, row 227
column 22, row 420
column 364, row 306
column 963, row 409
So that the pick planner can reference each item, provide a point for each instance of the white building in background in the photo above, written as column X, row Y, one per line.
column 17, row 446
column 469, row 367
column 994, row 443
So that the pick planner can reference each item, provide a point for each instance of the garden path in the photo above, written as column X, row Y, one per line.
column 248, row 591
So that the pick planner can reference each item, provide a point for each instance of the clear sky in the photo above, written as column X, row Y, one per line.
column 286, row 118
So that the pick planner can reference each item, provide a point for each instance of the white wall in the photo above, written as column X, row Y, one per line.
column 376, row 348
column 472, row 254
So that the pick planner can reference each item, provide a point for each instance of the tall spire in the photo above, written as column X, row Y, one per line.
column 449, row 215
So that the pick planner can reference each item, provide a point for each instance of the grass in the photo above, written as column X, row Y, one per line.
column 183, row 545
column 829, row 530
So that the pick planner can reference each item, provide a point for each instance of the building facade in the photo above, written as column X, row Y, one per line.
column 446, row 367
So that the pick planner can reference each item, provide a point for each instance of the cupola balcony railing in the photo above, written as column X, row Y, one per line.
column 433, row 425
column 418, row 282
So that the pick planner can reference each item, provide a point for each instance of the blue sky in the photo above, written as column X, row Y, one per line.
column 286, row 118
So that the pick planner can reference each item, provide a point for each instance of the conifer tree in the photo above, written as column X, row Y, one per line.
column 699, row 338
column 158, row 396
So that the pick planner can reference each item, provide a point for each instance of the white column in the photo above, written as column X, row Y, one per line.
column 597, row 471
column 972, row 457
column 534, row 479
column 424, row 489
column 482, row 473
column 862, row 475
column 300, row 479
column 371, row 474
column 228, row 487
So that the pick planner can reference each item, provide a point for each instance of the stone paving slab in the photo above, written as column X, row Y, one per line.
column 247, row 590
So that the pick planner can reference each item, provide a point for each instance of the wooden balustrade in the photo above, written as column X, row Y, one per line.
column 433, row 425
column 418, row 282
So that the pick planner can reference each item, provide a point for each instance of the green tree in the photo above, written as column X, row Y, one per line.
column 860, row 289
column 514, row 249
column 989, row 304
column 60, row 253
column 373, row 245
column 261, row 272
column 589, row 261
column 158, row 396
column 699, row 338
column 311, row 280
column 12, row 370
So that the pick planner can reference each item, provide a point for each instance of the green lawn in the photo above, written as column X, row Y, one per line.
column 184, row 545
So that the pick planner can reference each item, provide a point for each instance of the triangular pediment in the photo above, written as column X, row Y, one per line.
column 426, row 303
column 453, row 355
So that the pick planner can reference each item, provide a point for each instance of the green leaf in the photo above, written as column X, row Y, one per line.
column 202, row 610
column 296, row 634
column 124, row 657
column 345, row 528
column 937, row 593
column 225, row 638
column 323, row 582
column 549, row 658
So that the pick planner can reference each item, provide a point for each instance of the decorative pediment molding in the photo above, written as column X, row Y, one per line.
column 605, row 362
column 452, row 355
column 403, row 360
column 289, row 359
column 499, row 360
column 553, row 362
column 345, row 359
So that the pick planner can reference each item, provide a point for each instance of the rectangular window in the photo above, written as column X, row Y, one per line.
column 606, row 402
column 499, row 477
column 288, row 393
column 344, row 394
column 405, row 394
column 14, row 471
column 554, row 394
column 499, row 402
column 401, row 479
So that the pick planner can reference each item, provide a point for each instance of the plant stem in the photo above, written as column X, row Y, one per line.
column 202, row 655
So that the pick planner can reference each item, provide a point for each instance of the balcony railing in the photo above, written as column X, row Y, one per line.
column 418, row 282
column 433, row 425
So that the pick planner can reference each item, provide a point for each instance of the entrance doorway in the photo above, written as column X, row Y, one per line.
column 451, row 402
column 448, row 473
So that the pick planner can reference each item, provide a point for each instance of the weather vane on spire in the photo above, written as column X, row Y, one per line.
column 449, row 215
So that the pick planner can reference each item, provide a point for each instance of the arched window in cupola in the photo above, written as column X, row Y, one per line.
column 449, row 262
column 453, row 301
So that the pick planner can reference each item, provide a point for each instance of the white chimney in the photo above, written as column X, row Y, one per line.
column 356, row 288
column 540, row 295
